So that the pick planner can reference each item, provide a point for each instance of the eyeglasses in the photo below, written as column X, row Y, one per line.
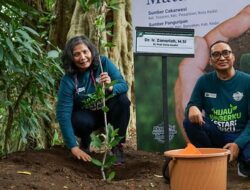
column 225, row 53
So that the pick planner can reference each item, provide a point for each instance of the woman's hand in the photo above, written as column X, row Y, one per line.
column 80, row 155
column 105, row 78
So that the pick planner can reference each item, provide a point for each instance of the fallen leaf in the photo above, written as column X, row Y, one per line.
column 158, row 175
column 152, row 185
column 24, row 172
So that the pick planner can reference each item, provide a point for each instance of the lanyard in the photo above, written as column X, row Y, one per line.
column 92, row 77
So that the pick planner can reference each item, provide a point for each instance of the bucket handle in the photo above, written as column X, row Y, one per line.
column 165, row 169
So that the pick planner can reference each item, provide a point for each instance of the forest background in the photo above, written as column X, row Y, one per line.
column 33, row 34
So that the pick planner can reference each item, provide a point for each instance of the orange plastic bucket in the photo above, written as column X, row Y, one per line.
column 205, row 171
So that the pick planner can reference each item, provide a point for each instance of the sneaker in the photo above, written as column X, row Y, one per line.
column 84, row 147
column 243, row 170
column 119, row 154
column 86, row 150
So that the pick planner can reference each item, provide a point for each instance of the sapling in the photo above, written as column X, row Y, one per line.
column 103, row 141
column 110, row 139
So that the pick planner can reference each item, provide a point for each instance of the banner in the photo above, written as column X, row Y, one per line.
column 203, row 17
column 199, row 15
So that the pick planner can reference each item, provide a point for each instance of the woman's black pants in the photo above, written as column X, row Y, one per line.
column 86, row 121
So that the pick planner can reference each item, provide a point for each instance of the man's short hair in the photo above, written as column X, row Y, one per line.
column 217, row 42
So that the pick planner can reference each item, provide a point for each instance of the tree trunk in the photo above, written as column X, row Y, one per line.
column 61, row 24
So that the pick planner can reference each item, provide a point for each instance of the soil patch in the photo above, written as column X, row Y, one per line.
column 56, row 169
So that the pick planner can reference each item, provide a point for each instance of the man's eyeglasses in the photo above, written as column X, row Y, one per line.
column 225, row 53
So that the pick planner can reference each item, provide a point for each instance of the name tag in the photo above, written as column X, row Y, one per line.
column 81, row 89
column 210, row 95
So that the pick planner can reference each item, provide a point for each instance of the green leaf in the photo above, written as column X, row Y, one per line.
column 31, row 30
column 111, row 176
column 84, row 5
column 110, row 160
column 10, row 44
column 56, row 140
column 48, row 104
column 105, row 109
column 53, row 54
column 115, row 141
column 95, row 140
column 96, row 162
column 114, row 132
column 41, row 80
column 18, row 57
column 33, row 121
column 29, row 47
column 5, row 18
column 109, row 44
column 114, row 5
column 1, row 53
column 57, row 68
column 45, row 116
column 24, row 34
column 5, row 103
column 109, row 25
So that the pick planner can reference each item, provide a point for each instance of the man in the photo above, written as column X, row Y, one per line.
column 190, row 69
column 224, row 97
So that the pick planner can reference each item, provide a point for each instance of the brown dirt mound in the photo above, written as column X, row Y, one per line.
column 56, row 168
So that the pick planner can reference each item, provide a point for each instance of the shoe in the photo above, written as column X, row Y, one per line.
column 86, row 150
column 243, row 169
column 119, row 154
column 85, row 147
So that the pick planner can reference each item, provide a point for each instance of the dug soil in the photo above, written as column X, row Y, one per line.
column 57, row 169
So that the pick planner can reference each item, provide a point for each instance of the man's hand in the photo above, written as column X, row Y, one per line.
column 234, row 149
column 195, row 115
column 79, row 154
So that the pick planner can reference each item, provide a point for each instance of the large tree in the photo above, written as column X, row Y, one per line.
column 27, row 79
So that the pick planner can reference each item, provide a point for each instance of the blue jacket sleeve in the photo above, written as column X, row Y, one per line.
column 196, row 97
column 244, row 137
column 64, row 110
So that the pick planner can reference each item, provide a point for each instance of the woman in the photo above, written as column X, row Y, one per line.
column 82, row 73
